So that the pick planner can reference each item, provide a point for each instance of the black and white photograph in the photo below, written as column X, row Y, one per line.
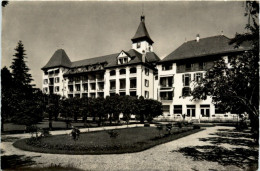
column 129, row 85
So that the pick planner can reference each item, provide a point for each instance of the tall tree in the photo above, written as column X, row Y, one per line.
column 235, row 86
column 6, row 82
column 21, row 76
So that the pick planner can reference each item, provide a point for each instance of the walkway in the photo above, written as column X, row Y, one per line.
column 161, row 157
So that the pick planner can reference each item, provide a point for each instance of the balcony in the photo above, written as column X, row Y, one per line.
column 70, row 83
column 84, row 81
column 70, row 92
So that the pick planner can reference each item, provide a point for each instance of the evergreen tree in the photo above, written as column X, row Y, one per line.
column 6, row 108
column 20, row 71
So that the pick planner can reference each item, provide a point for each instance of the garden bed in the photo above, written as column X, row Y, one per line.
column 128, row 140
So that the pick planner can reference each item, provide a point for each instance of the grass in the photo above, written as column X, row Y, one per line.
column 129, row 140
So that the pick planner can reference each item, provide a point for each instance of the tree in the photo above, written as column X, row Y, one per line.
column 6, row 108
column 128, row 105
column 21, row 77
column 141, row 110
column 235, row 86
column 4, row 3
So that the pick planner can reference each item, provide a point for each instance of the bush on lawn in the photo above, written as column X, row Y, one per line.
column 169, row 128
column 179, row 124
column 113, row 134
column 159, row 128
column 75, row 134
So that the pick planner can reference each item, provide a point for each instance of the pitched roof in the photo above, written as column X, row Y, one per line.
column 142, row 32
column 111, row 61
column 59, row 58
column 204, row 47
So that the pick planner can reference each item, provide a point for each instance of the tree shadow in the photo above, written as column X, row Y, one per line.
column 16, row 161
column 9, row 139
column 243, row 153
column 236, row 156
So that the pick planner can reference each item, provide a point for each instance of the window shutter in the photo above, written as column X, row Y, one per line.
column 190, row 77
column 194, row 77
column 173, row 79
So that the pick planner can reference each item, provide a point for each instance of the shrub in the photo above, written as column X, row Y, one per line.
column 169, row 128
column 113, row 134
column 45, row 132
column 196, row 127
column 147, row 125
column 179, row 124
column 32, row 129
column 75, row 133
column 159, row 128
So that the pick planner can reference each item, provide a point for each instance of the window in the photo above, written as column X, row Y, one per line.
column 133, row 93
column 57, row 71
column 101, row 86
column 188, row 67
column 71, row 88
column 166, row 95
column 177, row 109
column 198, row 77
column 77, row 87
column 45, row 73
column 146, row 94
column 45, row 90
column 57, row 80
column 146, row 71
column 77, row 79
column 191, row 110
column 112, row 73
column 166, row 108
column 186, row 91
column 204, row 110
column 122, row 83
column 45, row 81
column 166, row 67
column 132, row 70
column 146, row 83
column 132, row 82
column 57, row 88
column 85, row 87
column 122, row 60
column 122, row 71
column 201, row 65
column 70, row 80
column 112, row 84
column 93, row 86
column 122, row 93
column 166, row 81
column 138, row 45
column 186, row 78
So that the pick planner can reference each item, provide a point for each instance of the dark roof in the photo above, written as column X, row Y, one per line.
column 110, row 61
column 142, row 32
column 59, row 58
column 96, row 60
column 152, row 57
column 206, row 46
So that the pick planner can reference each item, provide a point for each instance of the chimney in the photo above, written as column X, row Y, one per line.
column 198, row 38
column 143, row 56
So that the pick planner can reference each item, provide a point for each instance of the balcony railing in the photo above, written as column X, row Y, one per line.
column 70, row 82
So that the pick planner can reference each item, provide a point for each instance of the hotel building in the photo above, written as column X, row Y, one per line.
column 140, row 72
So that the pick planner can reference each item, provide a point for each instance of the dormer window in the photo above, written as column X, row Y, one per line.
column 138, row 45
column 122, row 60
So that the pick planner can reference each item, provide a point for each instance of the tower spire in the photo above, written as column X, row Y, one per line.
column 142, row 16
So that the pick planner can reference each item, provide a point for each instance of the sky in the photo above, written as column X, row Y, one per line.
column 90, row 29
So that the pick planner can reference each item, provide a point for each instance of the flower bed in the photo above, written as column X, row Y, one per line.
column 128, row 140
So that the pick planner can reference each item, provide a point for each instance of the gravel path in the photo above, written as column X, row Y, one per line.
column 160, row 157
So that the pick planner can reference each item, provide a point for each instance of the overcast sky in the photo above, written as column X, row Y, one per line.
column 90, row 29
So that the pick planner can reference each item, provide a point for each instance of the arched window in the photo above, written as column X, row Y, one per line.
column 122, row 71
column 132, row 70
column 112, row 73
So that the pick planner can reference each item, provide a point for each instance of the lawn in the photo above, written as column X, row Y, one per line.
column 129, row 140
